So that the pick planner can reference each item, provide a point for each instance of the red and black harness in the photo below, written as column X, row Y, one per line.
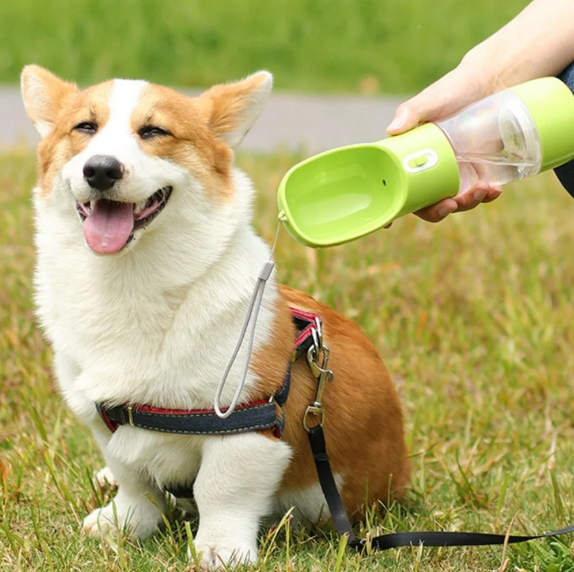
column 268, row 414
column 254, row 416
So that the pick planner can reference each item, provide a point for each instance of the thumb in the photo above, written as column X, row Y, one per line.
column 406, row 117
column 440, row 99
column 428, row 105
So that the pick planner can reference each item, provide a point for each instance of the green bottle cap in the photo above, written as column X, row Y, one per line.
column 551, row 104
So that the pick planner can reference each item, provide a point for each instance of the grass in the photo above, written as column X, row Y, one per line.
column 312, row 45
column 474, row 318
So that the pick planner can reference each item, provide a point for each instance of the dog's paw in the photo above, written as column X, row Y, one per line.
column 100, row 522
column 223, row 557
column 105, row 478
column 139, row 521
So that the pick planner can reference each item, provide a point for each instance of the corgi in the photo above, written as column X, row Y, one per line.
column 146, row 261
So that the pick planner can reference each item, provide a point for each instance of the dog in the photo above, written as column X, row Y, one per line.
column 146, row 261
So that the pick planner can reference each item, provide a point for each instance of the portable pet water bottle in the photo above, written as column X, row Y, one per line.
column 346, row 193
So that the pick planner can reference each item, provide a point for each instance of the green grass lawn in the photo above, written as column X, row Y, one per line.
column 475, row 319
column 386, row 46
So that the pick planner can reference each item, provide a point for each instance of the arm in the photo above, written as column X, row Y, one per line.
column 538, row 42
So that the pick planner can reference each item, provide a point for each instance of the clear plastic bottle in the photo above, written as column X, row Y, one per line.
column 495, row 140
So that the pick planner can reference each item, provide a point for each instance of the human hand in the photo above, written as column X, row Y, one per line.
column 467, row 83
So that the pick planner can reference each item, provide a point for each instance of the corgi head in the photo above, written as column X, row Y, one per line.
column 126, row 157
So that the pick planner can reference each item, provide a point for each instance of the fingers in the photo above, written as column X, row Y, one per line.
column 479, row 193
column 438, row 211
column 493, row 193
column 482, row 192
column 471, row 198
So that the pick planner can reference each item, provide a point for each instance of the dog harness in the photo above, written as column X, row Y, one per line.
column 254, row 416
column 268, row 414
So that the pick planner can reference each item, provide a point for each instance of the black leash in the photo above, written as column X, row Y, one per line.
column 398, row 539
column 317, row 359
column 328, row 484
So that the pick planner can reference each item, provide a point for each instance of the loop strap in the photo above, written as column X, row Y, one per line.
column 251, row 317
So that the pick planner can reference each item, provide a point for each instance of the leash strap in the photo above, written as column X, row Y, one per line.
column 328, row 484
column 399, row 539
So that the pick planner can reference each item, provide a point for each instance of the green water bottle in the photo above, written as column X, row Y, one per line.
column 346, row 193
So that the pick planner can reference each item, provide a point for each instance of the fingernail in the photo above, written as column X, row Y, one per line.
column 396, row 123
column 447, row 209
column 479, row 194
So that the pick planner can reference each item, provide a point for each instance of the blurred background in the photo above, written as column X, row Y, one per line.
column 341, row 67
column 326, row 46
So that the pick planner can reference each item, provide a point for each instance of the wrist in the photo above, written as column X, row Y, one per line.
column 488, row 68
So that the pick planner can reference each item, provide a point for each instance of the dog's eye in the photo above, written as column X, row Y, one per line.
column 87, row 127
column 151, row 131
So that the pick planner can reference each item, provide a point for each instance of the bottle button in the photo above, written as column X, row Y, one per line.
column 419, row 161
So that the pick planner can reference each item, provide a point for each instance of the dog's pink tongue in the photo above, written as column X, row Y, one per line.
column 109, row 226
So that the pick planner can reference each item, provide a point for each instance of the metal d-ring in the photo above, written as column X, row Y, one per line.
column 319, row 331
column 317, row 342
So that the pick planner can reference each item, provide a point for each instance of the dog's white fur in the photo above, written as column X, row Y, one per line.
column 174, row 302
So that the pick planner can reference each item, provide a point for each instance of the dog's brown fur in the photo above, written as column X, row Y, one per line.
column 364, row 421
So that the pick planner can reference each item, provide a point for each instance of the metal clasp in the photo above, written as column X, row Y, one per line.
column 318, row 352
column 131, row 416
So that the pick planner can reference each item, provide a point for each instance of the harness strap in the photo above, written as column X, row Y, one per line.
column 255, row 416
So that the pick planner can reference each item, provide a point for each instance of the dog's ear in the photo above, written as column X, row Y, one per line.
column 44, row 94
column 233, row 108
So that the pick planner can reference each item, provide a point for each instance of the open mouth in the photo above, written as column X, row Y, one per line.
column 110, row 225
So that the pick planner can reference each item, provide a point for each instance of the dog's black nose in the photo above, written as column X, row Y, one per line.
column 102, row 171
